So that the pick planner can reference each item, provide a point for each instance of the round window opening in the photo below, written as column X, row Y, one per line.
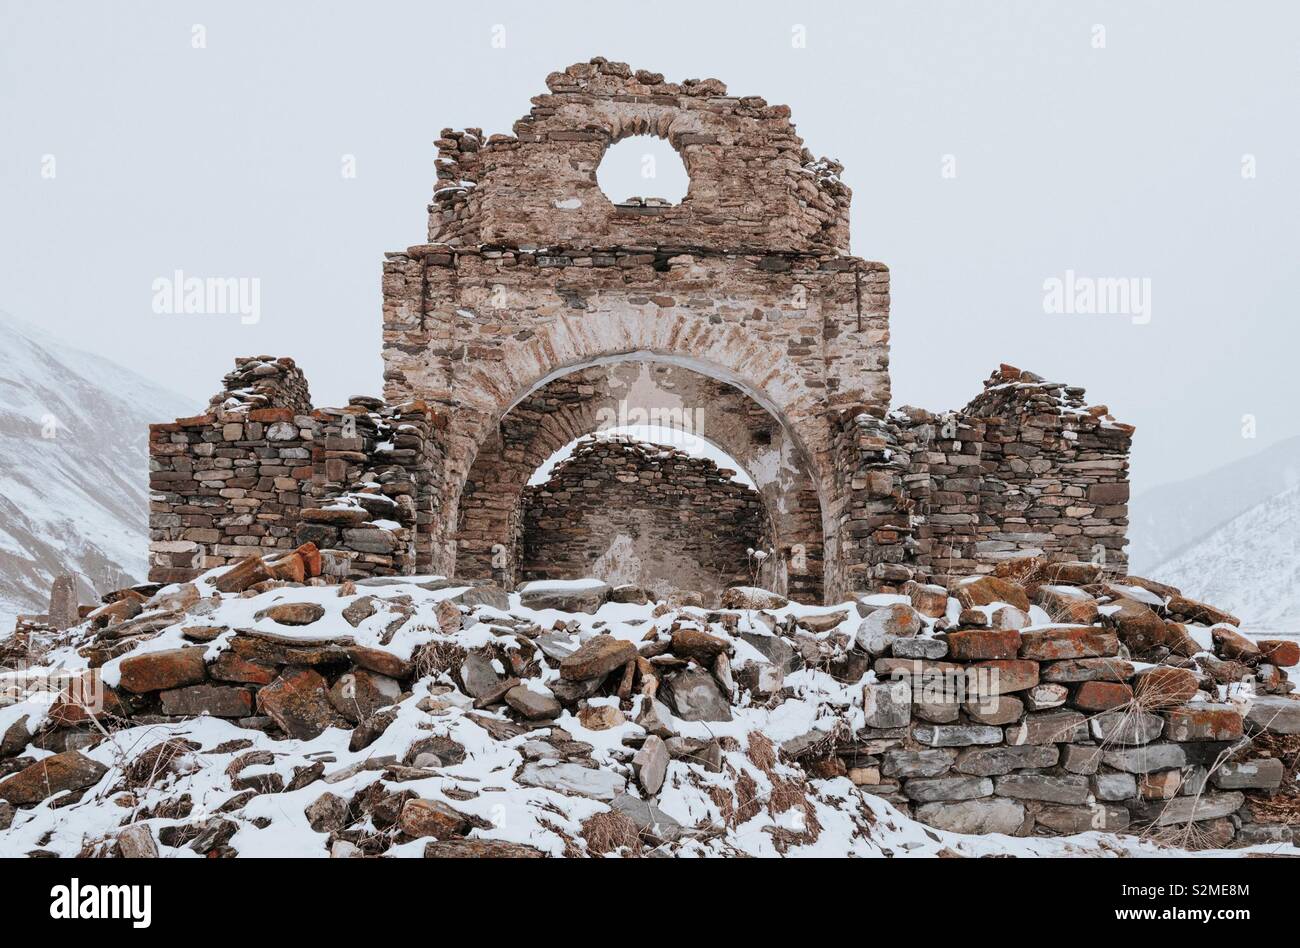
column 643, row 171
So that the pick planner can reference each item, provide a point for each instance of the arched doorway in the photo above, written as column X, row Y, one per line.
column 640, row 388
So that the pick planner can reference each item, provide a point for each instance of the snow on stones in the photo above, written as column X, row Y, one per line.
column 413, row 716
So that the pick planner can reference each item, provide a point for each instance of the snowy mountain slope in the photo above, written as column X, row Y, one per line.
column 73, row 467
column 1169, row 519
column 1250, row 566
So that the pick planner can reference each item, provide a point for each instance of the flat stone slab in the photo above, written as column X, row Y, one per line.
column 598, row 784
column 986, row 815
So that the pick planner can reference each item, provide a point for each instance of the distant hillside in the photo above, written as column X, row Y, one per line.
column 1250, row 565
column 74, row 467
column 1166, row 520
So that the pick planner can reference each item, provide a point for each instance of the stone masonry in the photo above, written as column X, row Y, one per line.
column 538, row 310
column 634, row 513
column 263, row 471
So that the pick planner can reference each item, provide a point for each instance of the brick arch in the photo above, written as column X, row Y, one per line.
column 576, row 403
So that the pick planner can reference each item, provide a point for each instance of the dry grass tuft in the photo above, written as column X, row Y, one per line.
column 725, row 803
column 762, row 752
column 609, row 832
column 747, row 795
column 434, row 658
column 1283, row 804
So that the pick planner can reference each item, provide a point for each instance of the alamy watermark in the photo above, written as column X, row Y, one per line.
column 44, row 685
column 679, row 426
column 1074, row 295
column 181, row 295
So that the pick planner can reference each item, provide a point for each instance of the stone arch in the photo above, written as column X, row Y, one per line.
column 625, row 510
column 640, row 389
column 530, row 271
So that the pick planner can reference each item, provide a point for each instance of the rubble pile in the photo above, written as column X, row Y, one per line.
column 265, row 707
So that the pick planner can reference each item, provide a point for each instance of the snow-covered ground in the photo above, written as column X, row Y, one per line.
column 1250, row 566
column 521, row 785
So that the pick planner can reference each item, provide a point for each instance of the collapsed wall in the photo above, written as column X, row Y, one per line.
column 1025, row 469
column 263, row 471
column 628, row 512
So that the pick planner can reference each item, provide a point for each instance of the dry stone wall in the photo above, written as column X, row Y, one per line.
column 1025, row 469
column 1134, row 709
column 263, row 471
column 533, row 285
column 634, row 513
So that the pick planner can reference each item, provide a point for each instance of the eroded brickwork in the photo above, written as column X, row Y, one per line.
column 263, row 471
column 629, row 512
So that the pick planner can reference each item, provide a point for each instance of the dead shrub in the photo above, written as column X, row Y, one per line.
column 609, row 832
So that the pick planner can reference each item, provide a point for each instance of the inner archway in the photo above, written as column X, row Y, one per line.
column 614, row 394
column 667, row 514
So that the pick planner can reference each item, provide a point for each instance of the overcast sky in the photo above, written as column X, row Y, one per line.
column 990, row 146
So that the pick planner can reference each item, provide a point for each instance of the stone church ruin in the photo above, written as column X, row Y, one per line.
column 539, row 313
column 967, row 649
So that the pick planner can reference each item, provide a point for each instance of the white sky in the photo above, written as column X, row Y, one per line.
column 1123, row 161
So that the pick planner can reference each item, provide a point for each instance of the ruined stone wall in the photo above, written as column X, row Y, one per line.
column 794, row 334
column 1024, row 469
column 1107, row 722
column 752, row 183
column 629, row 512
column 532, row 272
column 374, row 493
column 1060, row 481
column 264, row 471
column 535, row 285
column 230, row 483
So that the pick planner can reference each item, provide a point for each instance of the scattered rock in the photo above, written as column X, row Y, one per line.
column 328, row 813
column 433, row 818
column 156, row 671
column 294, row 613
column 752, row 597
column 298, row 703
column 651, row 764
column 136, row 842
column 357, row 695
column 533, row 705
column 566, row 598
column 600, row 717
column 597, row 657
column 568, row 777
column 694, row 695
column 68, row 771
